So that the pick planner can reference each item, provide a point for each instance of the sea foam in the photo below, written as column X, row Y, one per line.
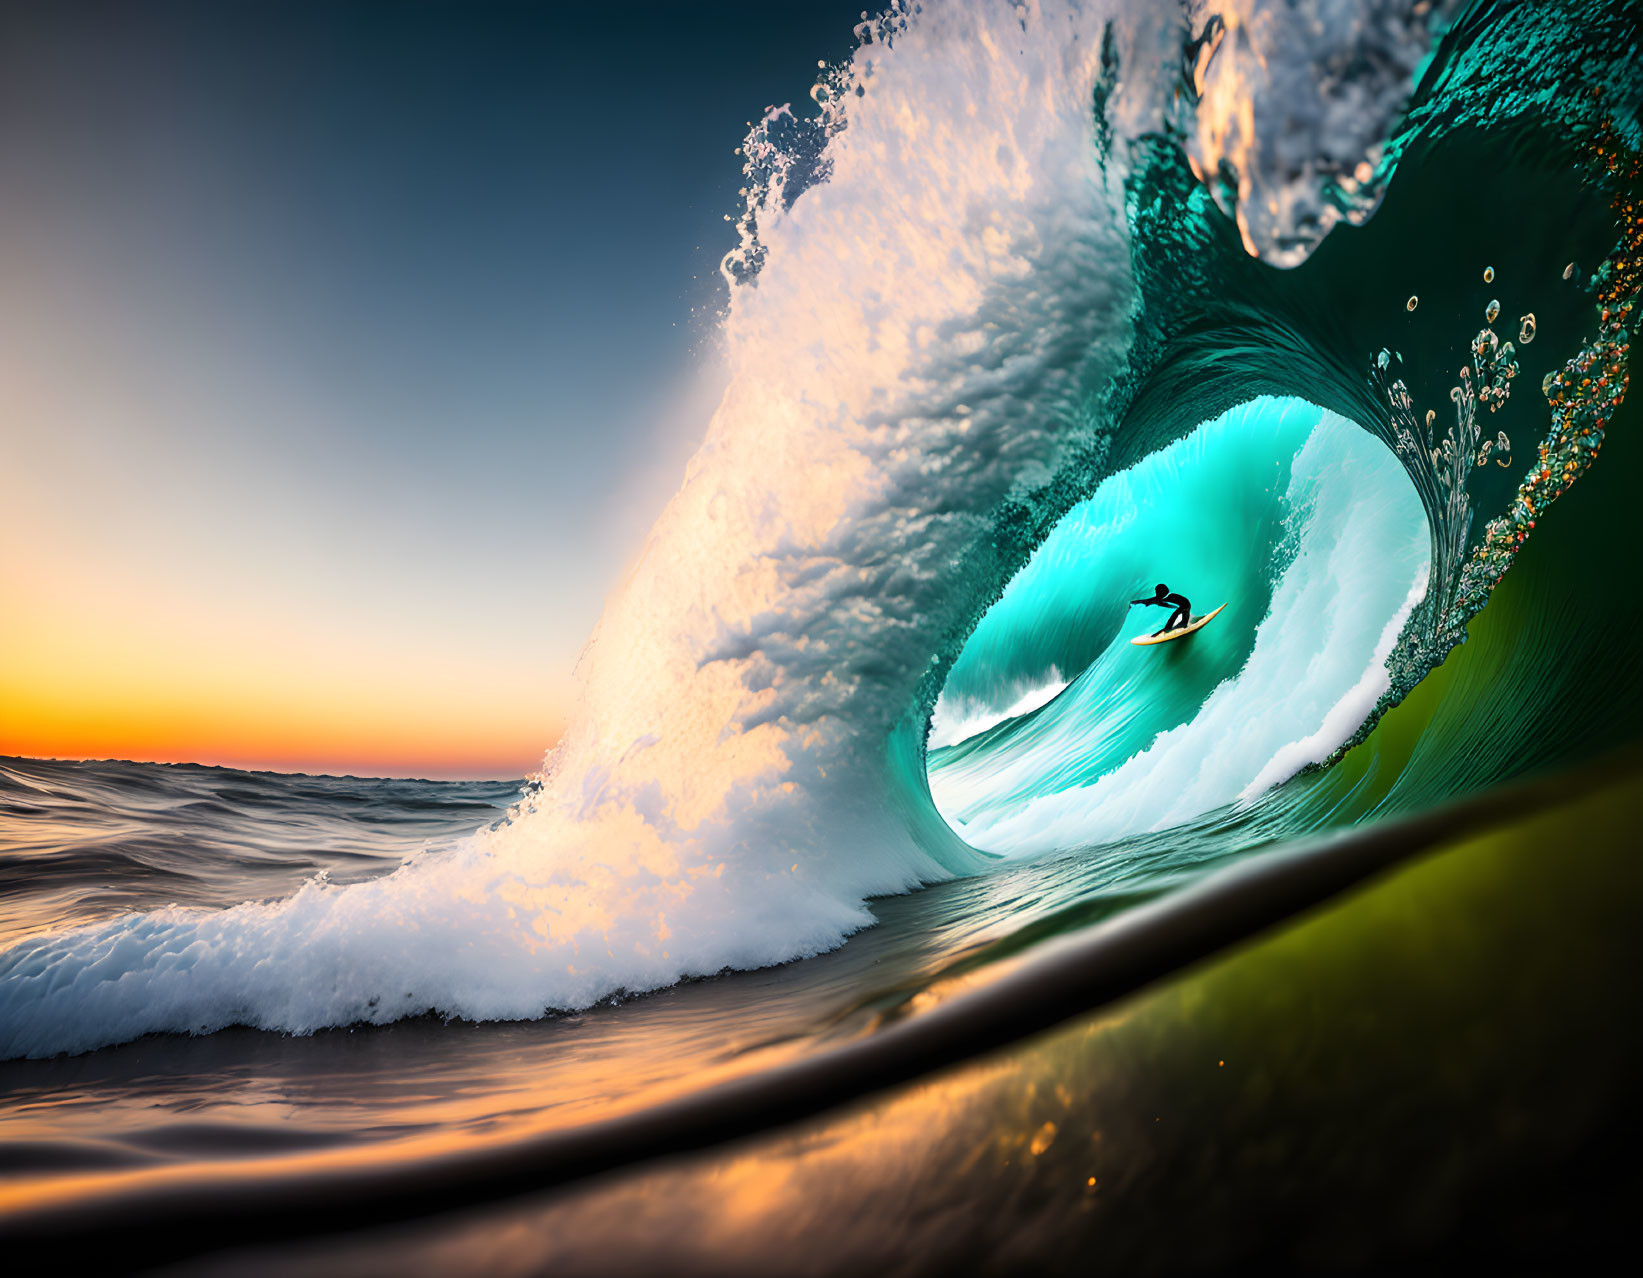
column 921, row 340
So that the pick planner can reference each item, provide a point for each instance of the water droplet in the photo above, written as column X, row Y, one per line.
column 1412, row 303
column 1488, row 275
column 1569, row 271
column 1492, row 312
column 1431, row 416
column 1526, row 329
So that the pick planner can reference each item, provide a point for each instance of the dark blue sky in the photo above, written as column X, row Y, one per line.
column 378, row 315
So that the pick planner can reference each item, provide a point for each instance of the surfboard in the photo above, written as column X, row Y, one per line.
column 1197, row 623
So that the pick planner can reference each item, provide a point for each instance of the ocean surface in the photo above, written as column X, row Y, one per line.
column 1034, row 307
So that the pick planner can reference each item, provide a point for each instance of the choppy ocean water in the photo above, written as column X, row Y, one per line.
column 865, row 757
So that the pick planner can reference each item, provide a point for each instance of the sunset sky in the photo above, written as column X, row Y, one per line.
column 345, row 361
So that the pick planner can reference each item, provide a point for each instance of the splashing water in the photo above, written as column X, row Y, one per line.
column 1269, row 508
column 933, row 349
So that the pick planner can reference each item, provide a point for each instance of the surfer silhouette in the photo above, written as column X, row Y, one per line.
column 1164, row 599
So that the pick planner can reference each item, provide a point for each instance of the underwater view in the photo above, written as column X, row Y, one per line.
column 903, row 892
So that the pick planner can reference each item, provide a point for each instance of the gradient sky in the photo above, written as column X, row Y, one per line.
column 346, row 353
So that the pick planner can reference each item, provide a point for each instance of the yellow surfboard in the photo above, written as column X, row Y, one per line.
column 1197, row 623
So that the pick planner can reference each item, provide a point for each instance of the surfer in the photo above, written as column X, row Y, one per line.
column 1164, row 599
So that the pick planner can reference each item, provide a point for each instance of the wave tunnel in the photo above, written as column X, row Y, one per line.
column 884, row 905
column 1265, row 511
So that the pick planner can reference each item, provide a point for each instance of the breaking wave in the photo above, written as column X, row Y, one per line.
column 1007, row 341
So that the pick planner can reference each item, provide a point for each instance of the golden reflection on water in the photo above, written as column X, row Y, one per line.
column 1454, row 1018
column 244, row 1103
column 1341, row 1083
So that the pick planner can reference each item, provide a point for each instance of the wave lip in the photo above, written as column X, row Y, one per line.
column 927, row 339
column 926, row 363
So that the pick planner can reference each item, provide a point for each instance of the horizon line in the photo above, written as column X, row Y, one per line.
column 230, row 767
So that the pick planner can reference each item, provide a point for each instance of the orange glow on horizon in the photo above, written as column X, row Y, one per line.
column 311, row 758
column 185, row 684
column 169, row 593
column 335, row 740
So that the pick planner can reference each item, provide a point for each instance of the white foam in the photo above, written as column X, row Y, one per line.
column 1313, row 675
column 924, row 340
column 1346, row 714
column 955, row 722
column 930, row 335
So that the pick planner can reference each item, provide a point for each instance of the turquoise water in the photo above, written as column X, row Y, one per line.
column 863, row 729
column 1265, row 510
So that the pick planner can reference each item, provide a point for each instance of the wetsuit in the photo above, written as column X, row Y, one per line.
column 1164, row 599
